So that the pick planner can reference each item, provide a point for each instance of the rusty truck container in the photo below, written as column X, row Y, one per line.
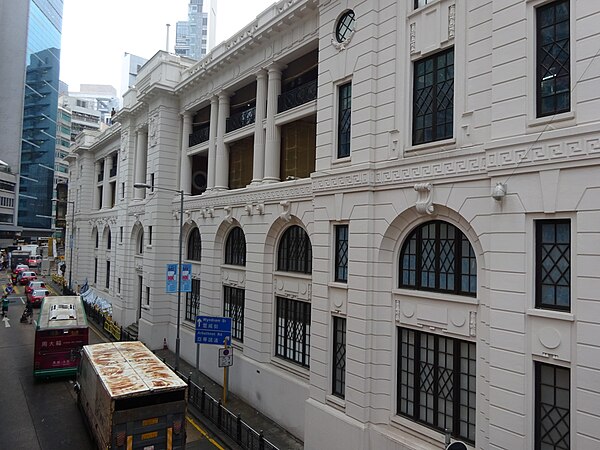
column 130, row 398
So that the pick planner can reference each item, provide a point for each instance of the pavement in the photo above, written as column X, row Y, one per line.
column 274, row 433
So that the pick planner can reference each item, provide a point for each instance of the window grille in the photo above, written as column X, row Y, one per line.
column 295, row 251
column 553, row 264
column 192, row 301
column 233, row 306
column 339, row 357
column 341, row 253
column 235, row 248
column 344, row 119
column 552, row 407
column 292, row 337
column 194, row 247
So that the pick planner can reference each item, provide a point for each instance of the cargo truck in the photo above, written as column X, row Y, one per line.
column 130, row 398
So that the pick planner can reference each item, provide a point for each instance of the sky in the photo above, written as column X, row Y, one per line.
column 96, row 34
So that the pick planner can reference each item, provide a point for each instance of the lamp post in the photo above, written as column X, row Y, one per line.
column 180, row 192
column 71, row 241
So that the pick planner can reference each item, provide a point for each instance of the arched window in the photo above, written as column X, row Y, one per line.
column 194, row 247
column 295, row 251
column 235, row 248
column 437, row 256
column 109, row 242
column 140, row 242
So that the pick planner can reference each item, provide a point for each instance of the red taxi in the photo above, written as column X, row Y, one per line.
column 36, row 296
column 33, row 285
column 25, row 277
column 17, row 270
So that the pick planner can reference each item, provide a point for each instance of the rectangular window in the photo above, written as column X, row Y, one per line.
column 553, row 265
column 341, row 253
column 553, row 71
column 118, row 285
column 140, row 290
column 95, row 270
column 433, row 98
column 436, row 382
column 147, row 295
column 192, row 301
column 552, row 407
column 344, row 122
column 122, row 190
column 339, row 357
column 121, row 234
column 420, row 3
column 150, row 235
column 292, row 337
column 233, row 306
column 107, row 284
column 97, row 240
column 151, row 182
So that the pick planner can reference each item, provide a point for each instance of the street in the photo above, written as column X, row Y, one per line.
column 44, row 414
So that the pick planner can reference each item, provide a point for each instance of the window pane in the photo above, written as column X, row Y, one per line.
column 341, row 253
column 552, row 407
column 235, row 248
column 295, row 251
column 233, row 307
column 553, row 264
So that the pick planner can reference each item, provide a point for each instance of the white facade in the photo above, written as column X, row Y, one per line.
column 474, row 325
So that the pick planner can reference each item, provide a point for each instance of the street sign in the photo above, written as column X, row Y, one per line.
column 212, row 330
column 226, row 357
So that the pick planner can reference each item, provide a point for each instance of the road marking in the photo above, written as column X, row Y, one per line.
column 6, row 324
column 204, row 433
column 22, row 301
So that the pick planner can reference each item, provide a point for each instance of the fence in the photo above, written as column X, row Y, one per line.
column 230, row 424
column 112, row 329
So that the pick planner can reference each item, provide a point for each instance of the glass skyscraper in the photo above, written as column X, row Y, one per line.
column 39, row 117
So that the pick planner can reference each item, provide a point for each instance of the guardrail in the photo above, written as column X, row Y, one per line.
column 111, row 329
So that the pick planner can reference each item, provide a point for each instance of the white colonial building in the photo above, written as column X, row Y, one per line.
column 396, row 202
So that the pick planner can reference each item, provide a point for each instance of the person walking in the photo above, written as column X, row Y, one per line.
column 5, row 302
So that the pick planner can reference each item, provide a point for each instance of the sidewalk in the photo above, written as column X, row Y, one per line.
column 272, row 432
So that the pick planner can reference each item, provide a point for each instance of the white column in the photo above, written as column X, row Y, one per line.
column 185, row 176
column 273, row 134
column 97, row 198
column 106, row 184
column 212, row 143
column 258, row 164
column 222, row 163
column 141, row 155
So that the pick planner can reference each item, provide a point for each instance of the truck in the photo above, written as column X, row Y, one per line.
column 130, row 399
column 31, row 248
column 18, row 257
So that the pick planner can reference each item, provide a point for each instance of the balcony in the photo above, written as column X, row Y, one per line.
column 200, row 135
column 240, row 120
column 297, row 96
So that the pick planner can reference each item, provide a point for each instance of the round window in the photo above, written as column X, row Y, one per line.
column 345, row 26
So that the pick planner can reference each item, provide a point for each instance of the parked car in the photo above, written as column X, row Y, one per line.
column 25, row 277
column 36, row 297
column 34, row 261
column 33, row 285
column 17, row 270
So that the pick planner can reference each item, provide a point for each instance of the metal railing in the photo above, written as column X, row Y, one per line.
column 297, row 96
column 230, row 424
column 240, row 119
column 104, row 322
column 202, row 134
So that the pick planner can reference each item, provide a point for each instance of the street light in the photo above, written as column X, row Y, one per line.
column 70, row 202
column 180, row 192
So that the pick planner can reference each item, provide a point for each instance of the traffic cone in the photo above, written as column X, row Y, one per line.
column 165, row 346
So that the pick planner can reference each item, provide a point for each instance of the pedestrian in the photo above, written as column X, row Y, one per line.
column 63, row 269
column 5, row 302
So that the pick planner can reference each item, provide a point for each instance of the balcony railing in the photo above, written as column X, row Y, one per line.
column 240, row 119
column 298, row 96
column 200, row 135
column 100, row 176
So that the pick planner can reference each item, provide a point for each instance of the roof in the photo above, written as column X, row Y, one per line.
column 129, row 368
column 50, row 320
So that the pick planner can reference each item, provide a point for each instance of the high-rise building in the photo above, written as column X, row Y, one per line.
column 13, row 45
column 129, row 70
column 192, row 37
column 40, row 108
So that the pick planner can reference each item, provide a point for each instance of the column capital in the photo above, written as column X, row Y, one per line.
column 275, row 68
column 224, row 95
column 261, row 74
column 187, row 114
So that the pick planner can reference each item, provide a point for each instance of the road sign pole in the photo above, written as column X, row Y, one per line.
column 225, row 377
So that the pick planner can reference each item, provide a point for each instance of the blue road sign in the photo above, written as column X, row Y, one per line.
column 212, row 330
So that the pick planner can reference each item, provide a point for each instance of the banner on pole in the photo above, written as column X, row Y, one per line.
column 171, row 278
column 186, row 278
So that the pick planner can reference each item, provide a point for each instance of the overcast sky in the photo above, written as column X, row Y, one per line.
column 96, row 34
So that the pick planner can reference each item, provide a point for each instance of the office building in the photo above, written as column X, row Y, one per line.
column 40, row 107
column 396, row 203
column 194, row 37
column 129, row 69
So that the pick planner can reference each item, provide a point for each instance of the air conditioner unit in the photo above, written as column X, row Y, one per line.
column 457, row 445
